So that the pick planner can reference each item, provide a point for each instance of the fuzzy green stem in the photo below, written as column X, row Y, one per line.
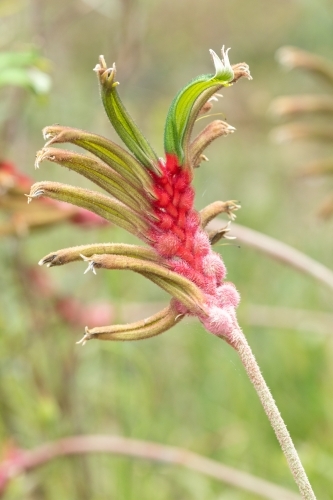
column 240, row 344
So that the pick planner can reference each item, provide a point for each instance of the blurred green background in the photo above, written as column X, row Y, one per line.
column 184, row 388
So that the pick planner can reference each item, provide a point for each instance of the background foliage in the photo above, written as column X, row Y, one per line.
column 185, row 388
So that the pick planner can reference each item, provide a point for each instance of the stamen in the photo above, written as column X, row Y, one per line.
column 37, row 194
column 91, row 265
column 85, row 337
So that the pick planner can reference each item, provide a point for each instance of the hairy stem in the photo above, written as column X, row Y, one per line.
column 240, row 344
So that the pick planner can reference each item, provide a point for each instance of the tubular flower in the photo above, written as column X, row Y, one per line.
column 153, row 199
column 18, row 221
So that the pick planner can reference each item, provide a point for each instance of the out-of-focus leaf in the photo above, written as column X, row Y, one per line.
column 17, row 59
column 25, row 69
column 40, row 81
column 14, row 76
column 31, row 78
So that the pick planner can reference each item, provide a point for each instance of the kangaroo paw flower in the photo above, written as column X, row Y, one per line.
column 110, row 153
column 144, row 329
column 66, row 255
column 214, row 130
column 153, row 199
column 218, row 207
column 109, row 208
column 99, row 173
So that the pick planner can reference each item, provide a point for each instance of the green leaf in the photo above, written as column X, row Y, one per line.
column 40, row 81
column 25, row 69
column 31, row 79
column 17, row 59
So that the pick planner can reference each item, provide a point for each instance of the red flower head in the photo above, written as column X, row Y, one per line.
column 153, row 199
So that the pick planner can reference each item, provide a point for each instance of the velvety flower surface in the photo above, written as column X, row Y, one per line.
column 153, row 199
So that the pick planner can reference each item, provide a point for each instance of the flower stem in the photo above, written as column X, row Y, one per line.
column 240, row 344
column 28, row 460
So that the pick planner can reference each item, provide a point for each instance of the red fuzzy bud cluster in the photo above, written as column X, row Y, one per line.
column 179, row 238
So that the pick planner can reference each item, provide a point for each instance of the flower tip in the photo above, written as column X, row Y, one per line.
column 36, row 194
column 101, row 65
column 225, row 57
column 51, row 131
column 44, row 154
column 47, row 135
column 38, row 159
column 216, row 60
column 87, row 336
column 223, row 68
column 48, row 260
column 241, row 70
column 106, row 75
